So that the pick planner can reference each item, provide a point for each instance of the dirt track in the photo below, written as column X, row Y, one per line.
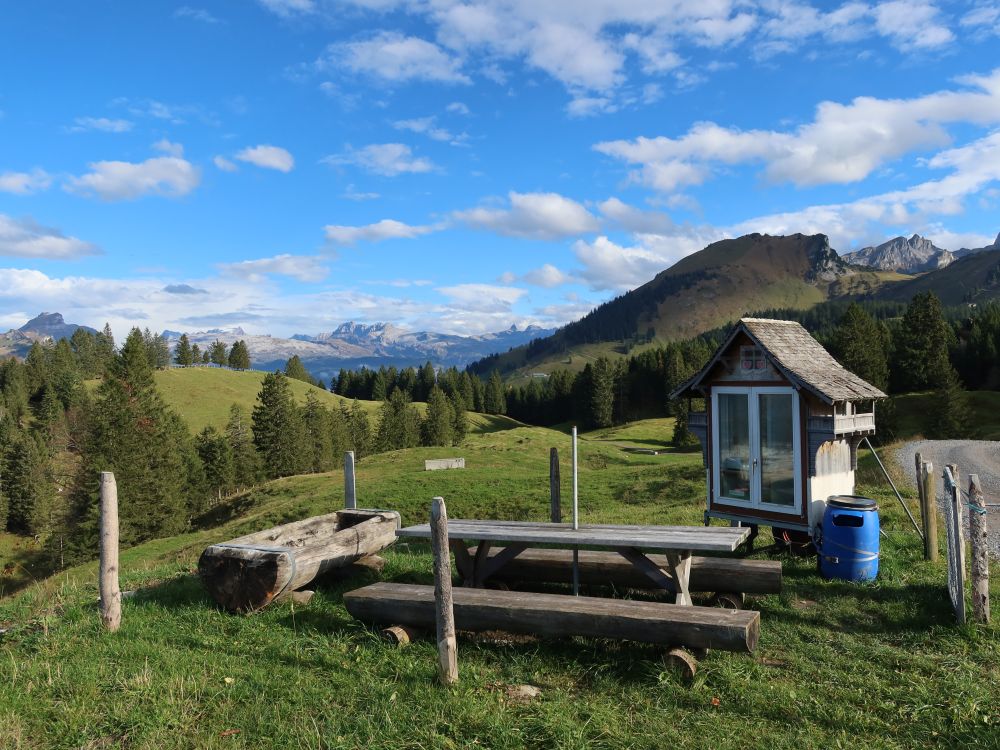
column 980, row 457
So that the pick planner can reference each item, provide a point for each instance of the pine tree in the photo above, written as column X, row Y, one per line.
column 239, row 356
column 602, row 394
column 921, row 346
column 359, row 429
column 27, row 482
column 247, row 469
column 183, row 355
column 218, row 353
column 134, row 435
column 379, row 392
column 105, row 347
column 195, row 354
column 157, row 349
column 426, row 380
column 399, row 423
column 494, row 399
column 36, row 368
column 857, row 344
column 297, row 371
column 278, row 431
column 84, row 347
column 216, row 456
column 949, row 416
column 460, row 421
column 437, row 427
column 319, row 434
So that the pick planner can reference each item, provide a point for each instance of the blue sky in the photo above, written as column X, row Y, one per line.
column 287, row 165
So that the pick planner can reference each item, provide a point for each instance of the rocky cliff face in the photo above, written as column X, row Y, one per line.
column 914, row 255
column 825, row 263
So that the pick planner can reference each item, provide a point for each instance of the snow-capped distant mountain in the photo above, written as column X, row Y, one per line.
column 353, row 345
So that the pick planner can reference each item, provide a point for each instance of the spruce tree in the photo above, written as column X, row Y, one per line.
column 399, row 423
column 297, row 371
column 183, row 355
column 494, row 398
column 359, row 429
column 319, row 435
column 437, row 427
column 134, row 435
column 460, row 420
column 247, row 467
column 217, row 459
column 105, row 348
column 379, row 392
column 949, row 415
column 195, row 354
column 858, row 345
column 26, row 486
column 426, row 380
column 218, row 353
column 921, row 346
column 278, row 431
column 239, row 356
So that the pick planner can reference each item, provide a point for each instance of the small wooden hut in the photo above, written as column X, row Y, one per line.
column 781, row 425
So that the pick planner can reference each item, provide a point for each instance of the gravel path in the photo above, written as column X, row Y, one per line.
column 980, row 457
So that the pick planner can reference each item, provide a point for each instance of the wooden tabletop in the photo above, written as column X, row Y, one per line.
column 703, row 538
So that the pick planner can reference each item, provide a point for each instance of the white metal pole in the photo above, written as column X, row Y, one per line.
column 576, row 520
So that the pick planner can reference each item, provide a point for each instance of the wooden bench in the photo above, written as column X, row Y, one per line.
column 557, row 615
column 718, row 574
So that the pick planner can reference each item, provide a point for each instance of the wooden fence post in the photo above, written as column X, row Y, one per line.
column 350, row 493
column 956, row 541
column 555, row 489
column 980, row 551
column 928, row 496
column 443, row 609
column 111, row 594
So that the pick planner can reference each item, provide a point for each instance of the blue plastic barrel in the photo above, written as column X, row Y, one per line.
column 849, row 546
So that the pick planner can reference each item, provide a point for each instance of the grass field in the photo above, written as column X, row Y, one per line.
column 913, row 408
column 838, row 665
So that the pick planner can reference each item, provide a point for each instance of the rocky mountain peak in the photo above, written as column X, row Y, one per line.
column 825, row 264
column 905, row 255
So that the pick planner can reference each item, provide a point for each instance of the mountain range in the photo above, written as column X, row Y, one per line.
column 914, row 255
column 355, row 345
column 42, row 328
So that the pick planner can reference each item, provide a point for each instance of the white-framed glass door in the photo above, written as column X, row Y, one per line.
column 756, row 448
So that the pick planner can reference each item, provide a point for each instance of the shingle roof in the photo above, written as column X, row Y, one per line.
column 800, row 358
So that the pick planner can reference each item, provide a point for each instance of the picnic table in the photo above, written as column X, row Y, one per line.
column 677, row 543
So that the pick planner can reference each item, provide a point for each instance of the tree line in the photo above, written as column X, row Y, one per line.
column 57, row 435
column 900, row 348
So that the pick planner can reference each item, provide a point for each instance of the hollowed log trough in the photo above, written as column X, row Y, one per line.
column 250, row 572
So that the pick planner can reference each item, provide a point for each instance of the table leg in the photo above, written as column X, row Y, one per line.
column 648, row 567
column 680, row 568
column 463, row 561
column 479, row 563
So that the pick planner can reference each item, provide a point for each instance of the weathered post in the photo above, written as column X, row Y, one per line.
column 928, row 505
column 350, row 496
column 555, row 489
column 443, row 610
column 576, row 518
column 918, row 461
column 980, row 551
column 111, row 595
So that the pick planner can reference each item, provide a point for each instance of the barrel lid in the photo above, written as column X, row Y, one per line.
column 854, row 502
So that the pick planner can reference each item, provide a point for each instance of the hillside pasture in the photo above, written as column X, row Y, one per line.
column 839, row 665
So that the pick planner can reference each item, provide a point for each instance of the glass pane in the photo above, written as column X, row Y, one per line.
column 777, row 454
column 734, row 445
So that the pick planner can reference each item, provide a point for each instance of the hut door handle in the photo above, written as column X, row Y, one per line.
column 755, row 465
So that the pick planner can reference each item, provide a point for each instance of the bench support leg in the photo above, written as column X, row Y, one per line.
column 647, row 566
column 479, row 564
column 680, row 568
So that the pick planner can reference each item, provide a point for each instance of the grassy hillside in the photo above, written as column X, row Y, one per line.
column 203, row 395
column 838, row 665
column 974, row 278
column 913, row 408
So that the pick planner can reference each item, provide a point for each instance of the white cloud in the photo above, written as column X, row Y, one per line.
column 545, row 216
column 457, row 108
column 632, row 219
column 196, row 14
column 103, row 124
column 169, row 176
column 167, row 147
column 912, row 23
column 24, row 238
column 396, row 58
column 388, row 159
column 547, row 276
column 268, row 157
column 984, row 17
column 385, row 229
column 288, row 8
column 221, row 162
column 428, row 126
column 304, row 268
column 607, row 265
column 25, row 183
column 483, row 297
column 844, row 143
column 351, row 193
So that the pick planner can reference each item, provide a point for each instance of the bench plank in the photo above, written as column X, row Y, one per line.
column 556, row 615
column 599, row 568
